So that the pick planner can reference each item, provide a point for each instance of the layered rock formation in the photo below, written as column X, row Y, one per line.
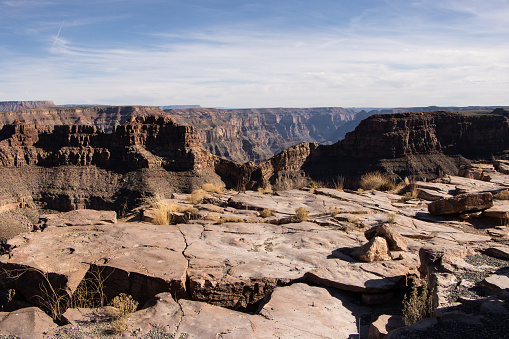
column 105, row 117
column 424, row 145
column 257, row 134
column 70, row 167
column 20, row 105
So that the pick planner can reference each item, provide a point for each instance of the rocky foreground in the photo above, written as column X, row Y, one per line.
column 313, row 263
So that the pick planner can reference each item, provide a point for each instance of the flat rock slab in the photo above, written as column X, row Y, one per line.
column 286, row 202
column 500, row 210
column 461, row 203
column 83, row 217
column 316, row 313
column 138, row 253
column 237, row 264
column 498, row 282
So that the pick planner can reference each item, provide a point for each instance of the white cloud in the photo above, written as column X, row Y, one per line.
column 360, row 65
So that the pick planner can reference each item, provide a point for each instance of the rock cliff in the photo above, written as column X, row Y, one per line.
column 20, row 105
column 424, row 145
column 257, row 134
column 69, row 167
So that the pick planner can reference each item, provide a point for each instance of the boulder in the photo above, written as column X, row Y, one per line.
column 28, row 322
column 395, row 241
column 462, row 203
column 375, row 250
column 438, row 258
column 498, row 283
column 500, row 210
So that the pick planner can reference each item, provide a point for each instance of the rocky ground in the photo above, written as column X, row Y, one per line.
column 253, row 265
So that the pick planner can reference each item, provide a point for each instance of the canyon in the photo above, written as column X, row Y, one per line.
column 240, row 260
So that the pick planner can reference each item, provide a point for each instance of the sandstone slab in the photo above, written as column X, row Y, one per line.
column 132, row 258
column 81, row 217
column 462, row 203
column 383, row 325
column 26, row 323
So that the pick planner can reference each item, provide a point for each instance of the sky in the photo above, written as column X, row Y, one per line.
column 245, row 54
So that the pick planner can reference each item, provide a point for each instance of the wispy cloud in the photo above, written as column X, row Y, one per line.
column 395, row 54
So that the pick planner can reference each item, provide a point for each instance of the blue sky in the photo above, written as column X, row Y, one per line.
column 279, row 53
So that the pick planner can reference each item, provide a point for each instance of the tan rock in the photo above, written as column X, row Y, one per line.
column 383, row 325
column 27, row 323
column 162, row 312
column 82, row 217
column 375, row 250
column 462, row 203
column 395, row 241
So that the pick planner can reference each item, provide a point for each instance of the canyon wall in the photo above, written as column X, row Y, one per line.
column 257, row 134
column 422, row 145
column 77, row 166
column 20, row 105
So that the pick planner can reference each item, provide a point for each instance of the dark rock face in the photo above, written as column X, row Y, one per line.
column 70, row 167
column 424, row 145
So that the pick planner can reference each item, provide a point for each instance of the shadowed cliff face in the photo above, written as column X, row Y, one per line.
column 424, row 145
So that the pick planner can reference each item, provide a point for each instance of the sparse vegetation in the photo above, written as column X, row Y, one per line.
column 502, row 195
column 377, row 181
column 196, row 196
column 313, row 184
column 418, row 302
column 301, row 214
column 162, row 210
column 56, row 300
column 339, row 183
column 125, row 305
column 230, row 219
column 334, row 211
column 212, row 188
column 265, row 190
column 265, row 213
column 391, row 218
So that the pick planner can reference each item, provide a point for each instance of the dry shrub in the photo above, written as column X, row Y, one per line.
column 212, row 188
column 313, row 184
column 196, row 196
column 301, row 214
column 125, row 305
column 265, row 213
column 377, row 181
column 502, row 195
column 334, row 211
column 391, row 218
column 418, row 302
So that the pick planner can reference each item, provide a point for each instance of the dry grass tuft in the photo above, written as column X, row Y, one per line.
column 197, row 196
column 339, row 183
column 212, row 188
column 301, row 214
column 125, row 305
column 377, row 181
column 502, row 195
column 265, row 190
column 265, row 213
